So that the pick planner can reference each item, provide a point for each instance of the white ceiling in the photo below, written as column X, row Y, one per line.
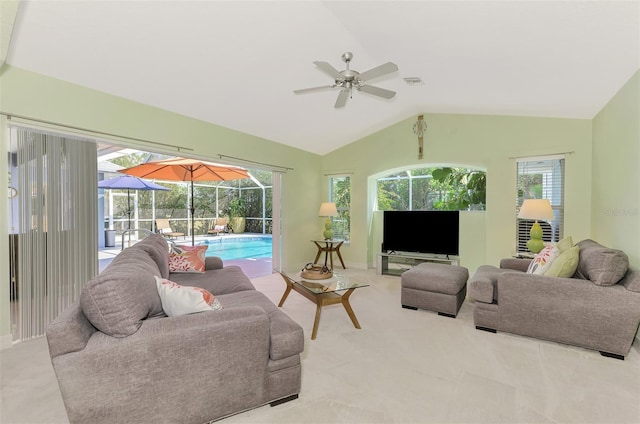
column 235, row 63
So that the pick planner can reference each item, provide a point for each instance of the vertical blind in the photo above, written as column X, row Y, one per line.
column 540, row 178
column 55, row 228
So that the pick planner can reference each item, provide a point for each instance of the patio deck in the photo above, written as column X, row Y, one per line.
column 257, row 267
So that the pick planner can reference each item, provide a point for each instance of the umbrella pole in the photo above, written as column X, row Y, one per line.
column 193, row 212
column 129, row 209
column 129, row 216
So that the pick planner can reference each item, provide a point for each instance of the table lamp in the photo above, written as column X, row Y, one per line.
column 328, row 210
column 536, row 209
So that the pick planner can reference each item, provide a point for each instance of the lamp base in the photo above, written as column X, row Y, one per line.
column 535, row 245
column 328, row 231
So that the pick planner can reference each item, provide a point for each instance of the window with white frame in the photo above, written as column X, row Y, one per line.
column 340, row 194
column 432, row 188
column 540, row 178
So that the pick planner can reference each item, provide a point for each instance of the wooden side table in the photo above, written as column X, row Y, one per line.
column 329, row 247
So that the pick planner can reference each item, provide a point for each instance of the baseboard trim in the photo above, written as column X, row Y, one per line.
column 6, row 341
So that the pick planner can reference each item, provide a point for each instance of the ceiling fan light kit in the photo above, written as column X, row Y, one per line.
column 349, row 79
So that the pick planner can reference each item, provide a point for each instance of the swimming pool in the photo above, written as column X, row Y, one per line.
column 229, row 248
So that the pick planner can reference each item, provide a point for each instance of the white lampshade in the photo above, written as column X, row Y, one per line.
column 536, row 209
column 328, row 209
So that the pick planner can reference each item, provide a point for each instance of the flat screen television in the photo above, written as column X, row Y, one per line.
column 429, row 232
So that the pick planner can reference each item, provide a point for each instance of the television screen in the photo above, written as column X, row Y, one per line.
column 434, row 232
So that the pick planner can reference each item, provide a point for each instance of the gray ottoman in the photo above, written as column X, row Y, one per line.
column 435, row 287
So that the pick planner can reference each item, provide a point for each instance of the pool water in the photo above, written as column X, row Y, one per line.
column 239, row 247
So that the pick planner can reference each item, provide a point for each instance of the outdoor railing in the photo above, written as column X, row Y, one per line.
column 133, row 230
column 254, row 225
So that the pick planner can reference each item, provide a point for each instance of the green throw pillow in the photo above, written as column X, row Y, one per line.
column 566, row 264
column 565, row 244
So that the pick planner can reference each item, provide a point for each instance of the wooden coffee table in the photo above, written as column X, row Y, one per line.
column 331, row 291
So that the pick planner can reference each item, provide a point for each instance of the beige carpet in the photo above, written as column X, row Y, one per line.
column 403, row 366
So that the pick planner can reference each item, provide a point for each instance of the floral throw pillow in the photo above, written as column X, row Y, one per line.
column 543, row 260
column 187, row 259
column 182, row 300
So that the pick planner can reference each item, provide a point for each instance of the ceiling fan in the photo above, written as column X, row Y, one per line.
column 349, row 79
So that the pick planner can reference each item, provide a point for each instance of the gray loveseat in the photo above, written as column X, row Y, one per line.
column 119, row 359
column 598, row 308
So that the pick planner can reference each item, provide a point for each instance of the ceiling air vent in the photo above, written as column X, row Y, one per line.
column 413, row 81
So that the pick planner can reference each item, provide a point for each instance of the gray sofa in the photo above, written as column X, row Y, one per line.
column 119, row 359
column 598, row 308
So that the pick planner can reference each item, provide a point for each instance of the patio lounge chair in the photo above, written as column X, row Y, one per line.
column 220, row 226
column 163, row 227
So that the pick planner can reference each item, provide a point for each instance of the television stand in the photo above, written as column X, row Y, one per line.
column 397, row 263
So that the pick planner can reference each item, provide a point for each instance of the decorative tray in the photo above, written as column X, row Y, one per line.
column 315, row 272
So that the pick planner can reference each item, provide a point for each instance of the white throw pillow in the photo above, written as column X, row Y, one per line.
column 543, row 260
column 181, row 300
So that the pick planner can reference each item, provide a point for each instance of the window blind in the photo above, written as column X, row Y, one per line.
column 540, row 178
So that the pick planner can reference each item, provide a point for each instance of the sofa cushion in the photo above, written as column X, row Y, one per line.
column 602, row 265
column 157, row 248
column 182, row 300
column 565, row 265
column 229, row 279
column 543, row 260
column 286, row 335
column 187, row 258
column 565, row 244
column 118, row 299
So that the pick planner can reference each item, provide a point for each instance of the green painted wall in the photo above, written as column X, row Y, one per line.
column 36, row 96
column 28, row 94
column 486, row 142
column 616, row 172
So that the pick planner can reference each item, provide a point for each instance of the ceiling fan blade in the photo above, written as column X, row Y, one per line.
column 313, row 89
column 342, row 98
column 377, row 91
column 326, row 67
column 378, row 71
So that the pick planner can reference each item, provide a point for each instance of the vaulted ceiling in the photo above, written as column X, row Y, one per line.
column 236, row 63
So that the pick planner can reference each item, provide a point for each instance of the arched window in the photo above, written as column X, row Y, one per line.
column 434, row 188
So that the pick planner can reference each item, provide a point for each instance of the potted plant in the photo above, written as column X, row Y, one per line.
column 237, row 212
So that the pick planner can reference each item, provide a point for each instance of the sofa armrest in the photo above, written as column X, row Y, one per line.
column 69, row 332
column 518, row 264
column 223, row 353
column 483, row 285
column 213, row 262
